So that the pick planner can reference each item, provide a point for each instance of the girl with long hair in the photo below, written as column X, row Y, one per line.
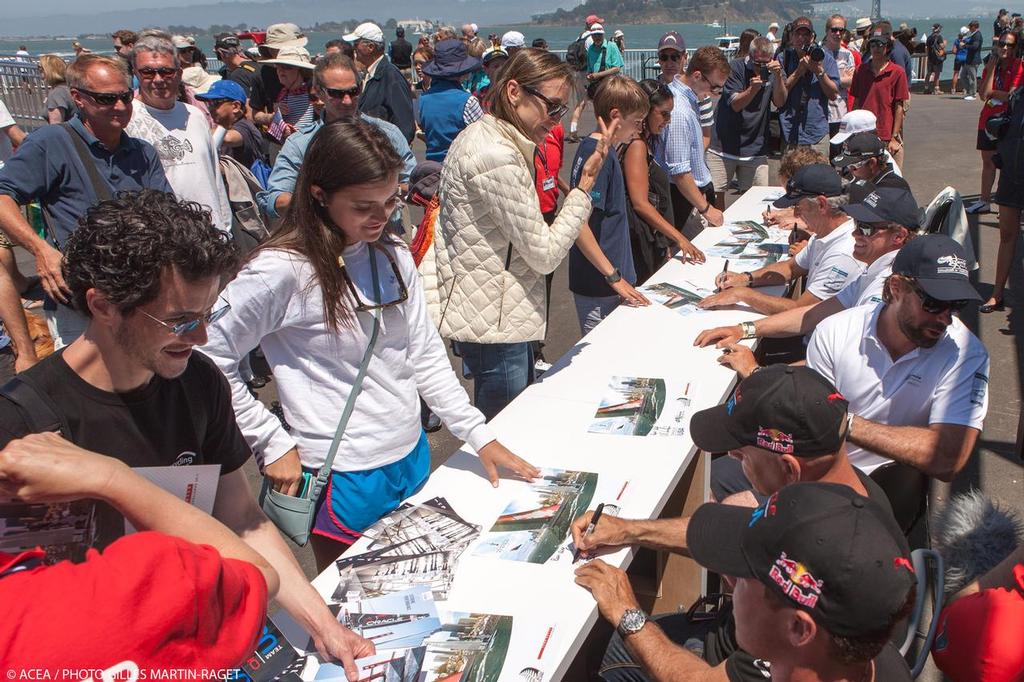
column 308, row 296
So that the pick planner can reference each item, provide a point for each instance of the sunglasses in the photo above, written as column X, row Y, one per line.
column 868, row 229
column 106, row 99
column 214, row 103
column 837, row 29
column 554, row 109
column 363, row 306
column 1003, row 43
column 164, row 71
column 715, row 89
column 185, row 326
column 669, row 57
column 340, row 93
column 934, row 306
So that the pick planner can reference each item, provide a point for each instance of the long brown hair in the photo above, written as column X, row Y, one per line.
column 341, row 154
column 528, row 67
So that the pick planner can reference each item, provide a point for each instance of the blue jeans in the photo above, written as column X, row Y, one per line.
column 592, row 309
column 500, row 372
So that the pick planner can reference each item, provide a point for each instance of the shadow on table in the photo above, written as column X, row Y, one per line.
column 564, row 361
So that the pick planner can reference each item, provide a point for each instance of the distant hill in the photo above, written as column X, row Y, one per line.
column 674, row 11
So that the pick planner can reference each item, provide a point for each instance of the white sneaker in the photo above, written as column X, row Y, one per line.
column 979, row 206
column 539, row 367
column 970, row 98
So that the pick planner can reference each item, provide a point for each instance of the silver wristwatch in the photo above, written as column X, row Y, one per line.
column 632, row 622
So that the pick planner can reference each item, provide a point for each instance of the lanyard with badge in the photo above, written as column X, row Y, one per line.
column 548, row 183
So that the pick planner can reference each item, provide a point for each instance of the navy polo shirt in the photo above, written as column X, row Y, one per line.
column 47, row 167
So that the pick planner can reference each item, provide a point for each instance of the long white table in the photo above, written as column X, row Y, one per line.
column 547, row 425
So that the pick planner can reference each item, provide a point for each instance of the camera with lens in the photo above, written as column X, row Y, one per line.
column 815, row 51
column 764, row 73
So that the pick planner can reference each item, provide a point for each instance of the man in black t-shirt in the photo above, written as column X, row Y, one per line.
column 784, row 425
column 936, row 49
column 146, row 270
column 247, row 73
column 400, row 52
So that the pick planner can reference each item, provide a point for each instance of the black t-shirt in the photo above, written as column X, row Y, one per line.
column 252, row 77
column 933, row 42
column 181, row 421
column 889, row 667
column 858, row 189
column 401, row 53
column 720, row 643
column 252, row 147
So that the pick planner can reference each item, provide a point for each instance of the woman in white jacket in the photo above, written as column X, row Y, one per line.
column 492, row 245
column 307, row 297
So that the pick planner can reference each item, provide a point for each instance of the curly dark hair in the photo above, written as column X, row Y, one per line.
column 122, row 246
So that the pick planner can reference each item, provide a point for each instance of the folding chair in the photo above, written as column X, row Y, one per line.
column 925, row 588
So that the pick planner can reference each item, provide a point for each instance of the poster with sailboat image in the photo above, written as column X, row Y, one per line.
column 534, row 525
column 643, row 406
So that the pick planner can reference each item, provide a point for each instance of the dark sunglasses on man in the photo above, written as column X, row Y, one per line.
column 934, row 306
column 150, row 72
column 669, row 56
column 108, row 99
column 340, row 93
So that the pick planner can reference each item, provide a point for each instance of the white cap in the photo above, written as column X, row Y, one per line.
column 476, row 29
column 772, row 25
column 181, row 42
column 297, row 57
column 856, row 121
column 963, row 30
column 513, row 39
column 618, row 33
column 596, row 28
column 198, row 79
column 284, row 35
column 368, row 31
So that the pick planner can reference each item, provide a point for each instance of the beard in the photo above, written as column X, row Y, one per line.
column 130, row 342
column 918, row 332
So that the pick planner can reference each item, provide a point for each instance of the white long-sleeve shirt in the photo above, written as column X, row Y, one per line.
column 277, row 304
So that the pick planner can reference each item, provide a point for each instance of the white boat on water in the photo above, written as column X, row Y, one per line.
column 417, row 26
column 727, row 43
column 714, row 24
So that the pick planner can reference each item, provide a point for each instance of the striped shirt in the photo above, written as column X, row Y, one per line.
column 706, row 112
column 680, row 147
column 296, row 108
column 472, row 112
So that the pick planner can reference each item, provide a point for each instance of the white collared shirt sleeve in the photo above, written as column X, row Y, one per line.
column 961, row 397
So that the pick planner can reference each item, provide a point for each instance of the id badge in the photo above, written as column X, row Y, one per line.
column 548, row 184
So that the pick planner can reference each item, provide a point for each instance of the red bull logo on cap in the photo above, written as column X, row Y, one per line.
column 796, row 581
column 775, row 440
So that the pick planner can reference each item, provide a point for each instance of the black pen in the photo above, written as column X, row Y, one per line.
column 590, row 529
column 724, row 270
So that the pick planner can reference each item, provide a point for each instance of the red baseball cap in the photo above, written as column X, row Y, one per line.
column 594, row 19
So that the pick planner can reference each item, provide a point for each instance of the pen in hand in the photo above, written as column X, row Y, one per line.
column 721, row 279
column 590, row 529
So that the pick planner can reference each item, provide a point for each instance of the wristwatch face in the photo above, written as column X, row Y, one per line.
column 632, row 621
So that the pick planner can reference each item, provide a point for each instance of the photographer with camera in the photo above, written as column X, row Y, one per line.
column 803, row 96
column 880, row 86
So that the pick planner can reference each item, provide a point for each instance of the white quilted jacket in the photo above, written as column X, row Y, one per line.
column 488, row 202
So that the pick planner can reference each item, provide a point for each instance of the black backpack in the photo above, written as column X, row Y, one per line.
column 576, row 54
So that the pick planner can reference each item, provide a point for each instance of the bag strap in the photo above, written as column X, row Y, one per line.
column 357, row 387
column 99, row 186
column 604, row 53
column 40, row 414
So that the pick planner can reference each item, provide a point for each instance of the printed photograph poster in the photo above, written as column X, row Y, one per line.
column 469, row 647
column 534, row 526
column 533, row 653
column 643, row 406
column 65, row 530
column 683, row 298
column 393, row 621
column 396, row 665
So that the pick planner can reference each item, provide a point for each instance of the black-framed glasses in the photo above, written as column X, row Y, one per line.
column 163, row 71
column 182, row 327
column 1003, row 43
column 715, row 89
column 933, row 305
column 363, row 306
column 669, row 56
column 868, row 229
column 340, row 93
column 107, row 99
column 214, row 103
column 553, row 109
column 837, row 29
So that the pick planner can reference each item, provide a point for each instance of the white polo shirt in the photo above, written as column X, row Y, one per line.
column 829, row 261
column 945, row 384
column 867, row 288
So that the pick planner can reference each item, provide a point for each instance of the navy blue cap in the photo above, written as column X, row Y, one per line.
column 224, row 89
column 818, row 179
column 939, row 265
column 859, row 147
column 450, row 60
column 887, row 205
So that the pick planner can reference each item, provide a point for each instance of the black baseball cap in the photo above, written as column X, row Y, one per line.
column 832, row 553
column 785, row 409
column 802, row 22
column 226, row 41
column 859, row 147
column 818, row 179
column 887, row 204
column 939, row 265
column 878, row 34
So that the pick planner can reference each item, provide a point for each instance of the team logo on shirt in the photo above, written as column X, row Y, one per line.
column 796, row 581
column 775, row 440
column 185, row 459
column 952, row 264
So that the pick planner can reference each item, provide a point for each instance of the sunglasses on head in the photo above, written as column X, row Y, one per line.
column 669, row 57
column 553, row 109
column 183, row 327
column 149, row 72
column 933, row 305
column 107, row 99
column 339, row 93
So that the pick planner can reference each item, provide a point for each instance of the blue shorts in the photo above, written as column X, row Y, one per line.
column 353, row 501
